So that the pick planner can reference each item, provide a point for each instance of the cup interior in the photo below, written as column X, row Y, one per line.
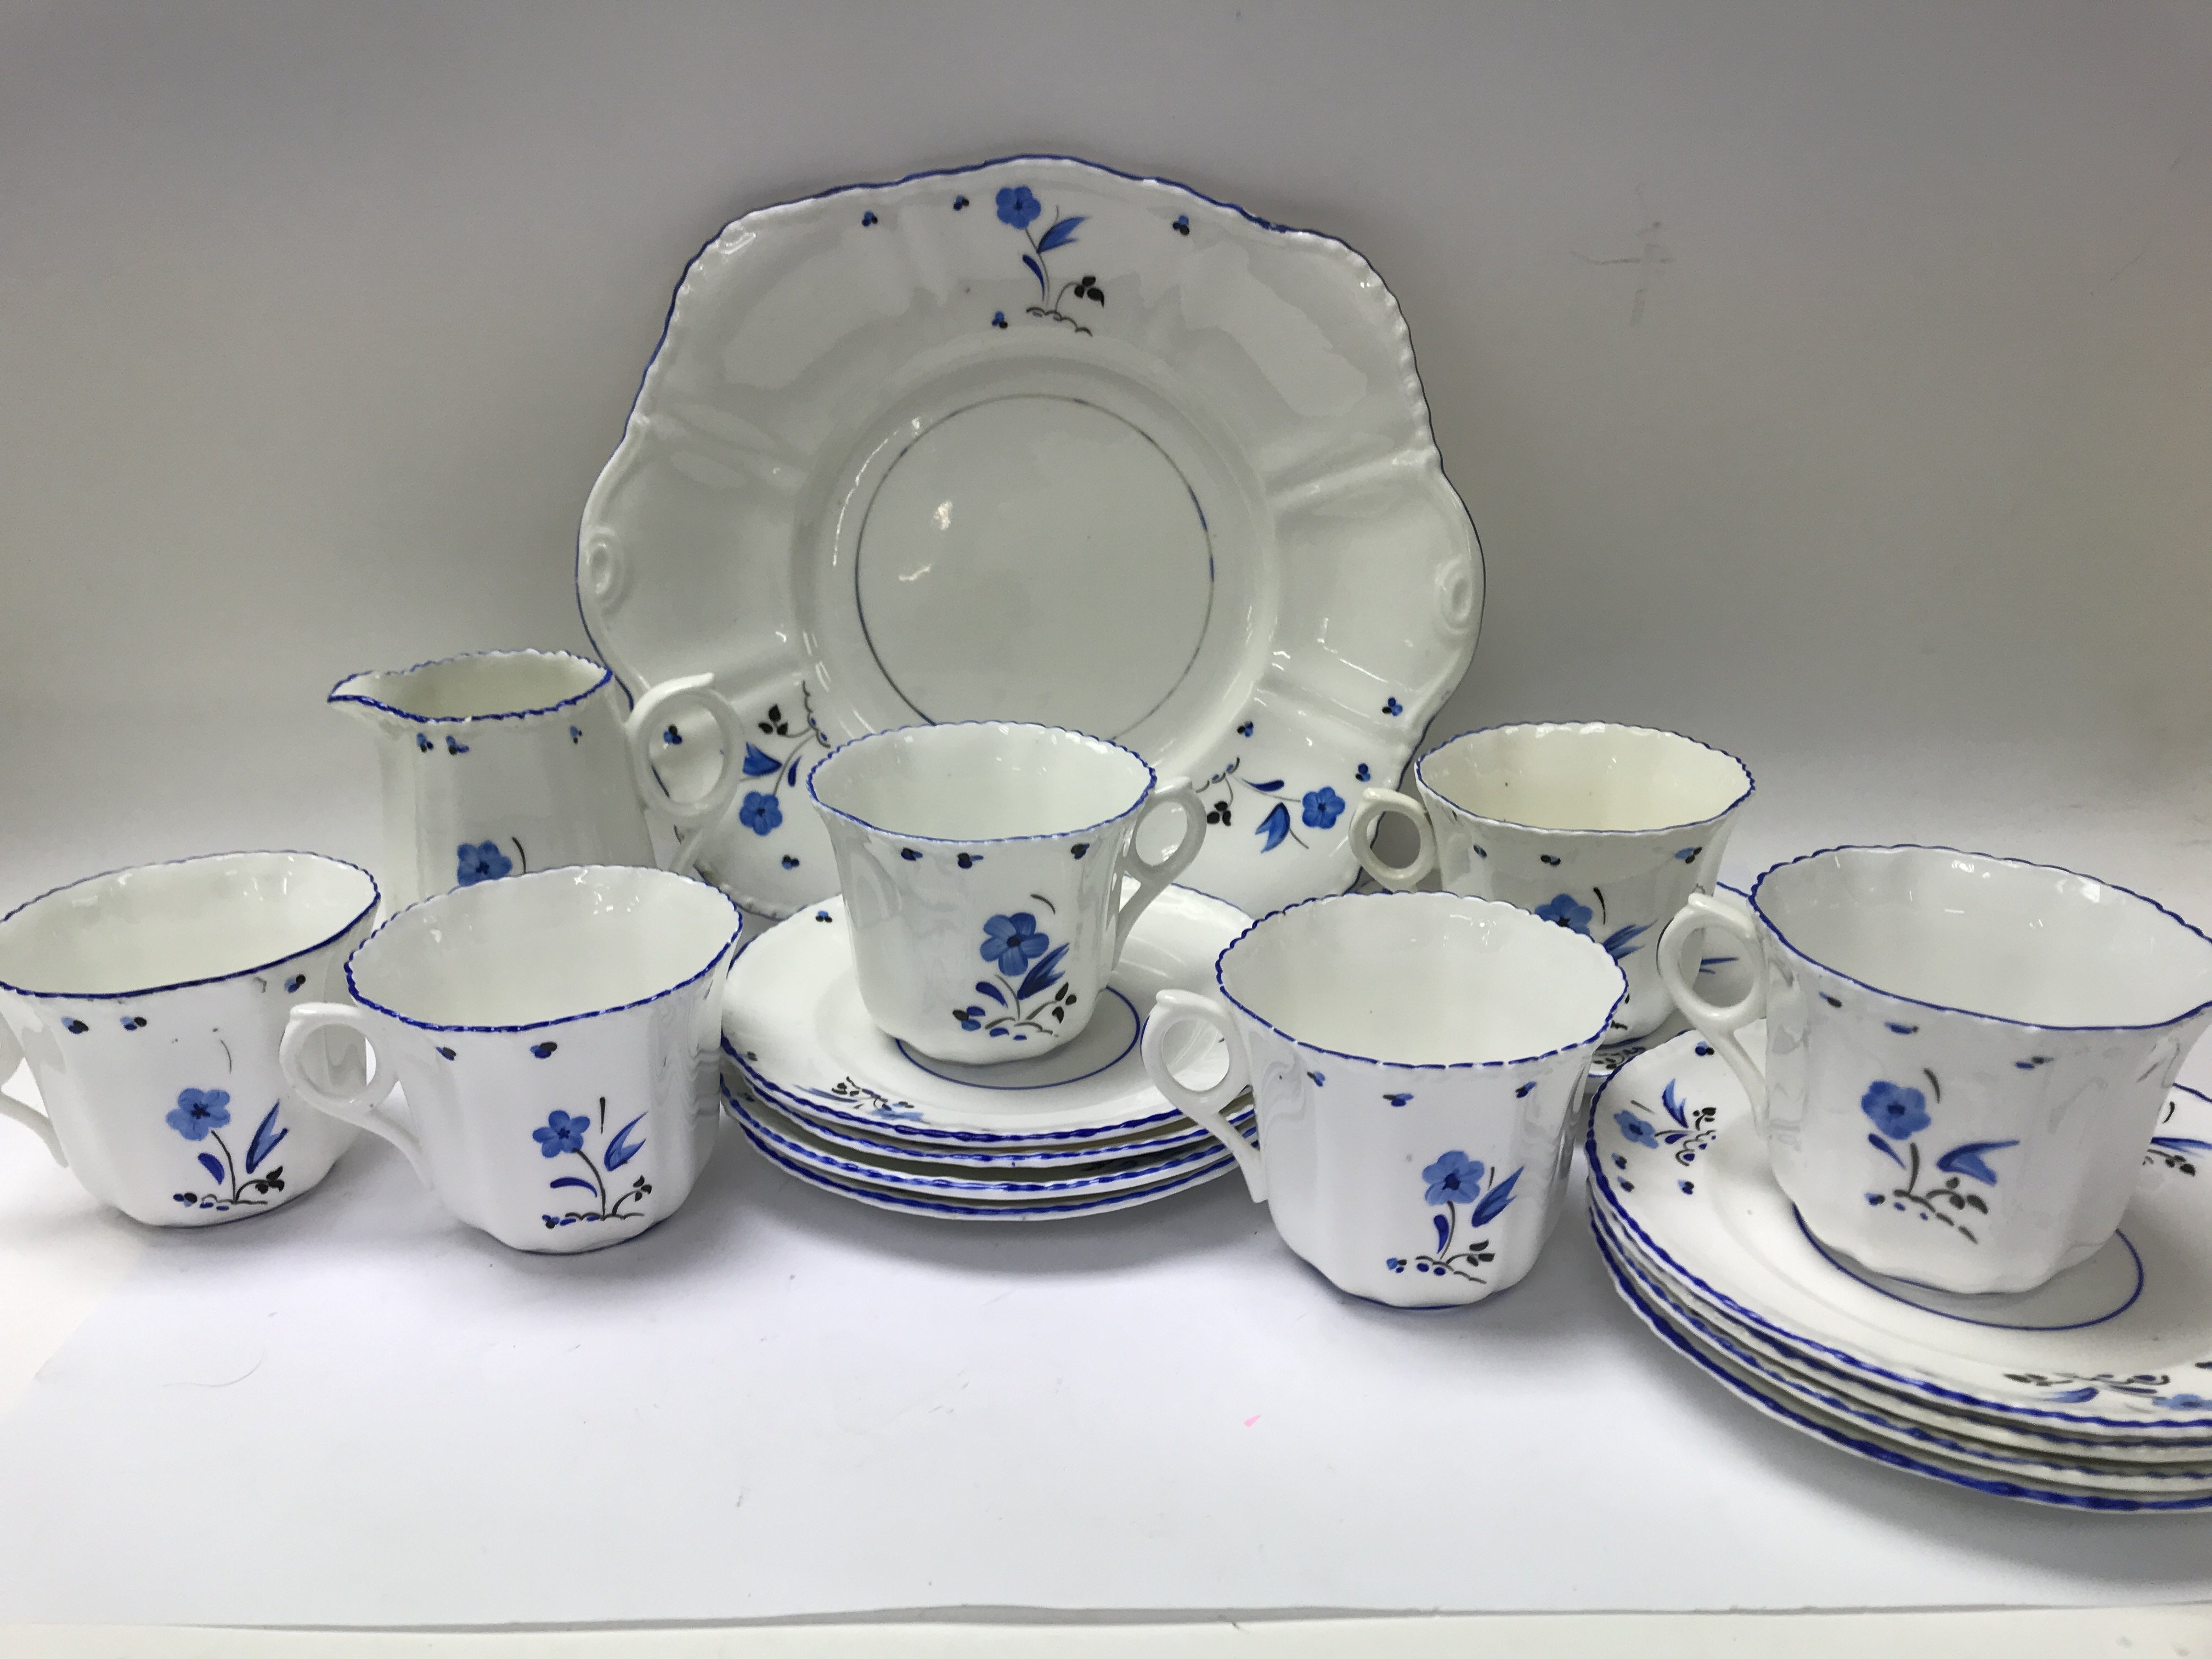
column 1422, row 979
column 981, row 781
column 160, row 925
column 550, row 946
column 472, row 687
column 1586, row 777
column 2026, row 942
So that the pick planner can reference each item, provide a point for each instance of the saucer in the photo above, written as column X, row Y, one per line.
column 795, row 1025
column 2117, row 1351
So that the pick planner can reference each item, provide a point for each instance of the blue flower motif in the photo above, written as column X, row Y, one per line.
column 1637, row 1129
column 198, row 1112
column 561, row 1133
column 1322, row 807
column 1394, row 706
column 970, row 1018
column 1562, row 909
column 1017, row 207
column 760, row 813
column 1898, row 1111
column 1363, row 773
column 1013, row 942
column 2183, row 1402
column 483, row 862
column 1453, row 1178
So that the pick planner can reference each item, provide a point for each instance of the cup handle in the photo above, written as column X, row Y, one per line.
column 1153, row 879
column 11, row 1056
column 655, row 709
column 1717, row 1025
column 1372, row 806
column 362, row 1107
column 1204, row 1107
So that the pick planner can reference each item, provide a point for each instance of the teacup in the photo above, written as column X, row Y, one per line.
column 983, row 865
column 149, row 1003
column 1416, row 1060
column 557, row 1036
column 1604, row 829
column 501, row 762
column 1965, row 1057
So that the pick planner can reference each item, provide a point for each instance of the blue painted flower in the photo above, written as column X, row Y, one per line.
column 1898, row 1111
column 1637, row 1129
column 1453, row 1178
column 760, row 813
column 199, row 1111
column 561, row 1133
column 1013, row 942
column 1394, row 706
column 483, row 862
column 1322, row 807
column 1562, row 909
column 1017, row 207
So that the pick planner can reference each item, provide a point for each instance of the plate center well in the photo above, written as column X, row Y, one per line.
column 1035, row 558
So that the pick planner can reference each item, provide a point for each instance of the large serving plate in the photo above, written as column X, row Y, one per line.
column 1034, row 440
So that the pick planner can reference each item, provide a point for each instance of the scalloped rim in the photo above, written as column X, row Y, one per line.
column 1443, row 899
column 339, row 694
column 375, row 898
column 1750, row 783
column 1152, row 783
column 1949, row 1008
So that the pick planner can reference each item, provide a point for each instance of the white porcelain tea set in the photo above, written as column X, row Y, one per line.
column 1012, row 581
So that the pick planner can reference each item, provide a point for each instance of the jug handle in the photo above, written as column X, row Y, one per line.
column 657, row 707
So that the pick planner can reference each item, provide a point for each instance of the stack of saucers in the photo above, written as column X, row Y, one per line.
column 826, row 1095
column 2092, row 1391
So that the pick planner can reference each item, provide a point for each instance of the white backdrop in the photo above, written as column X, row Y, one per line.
column 1833, row 384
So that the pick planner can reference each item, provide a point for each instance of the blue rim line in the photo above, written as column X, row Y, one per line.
column 1750, row 783
column 1152, row 783
column 1795, row 1339
column 1883, row 1454
column 1783, row 938
column 339, row 694
column 713, row 962
column 1589, row 1041
column 375, row 897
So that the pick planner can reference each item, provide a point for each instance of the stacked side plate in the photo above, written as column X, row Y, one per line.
column 825, row 1096
column 2093, row 1392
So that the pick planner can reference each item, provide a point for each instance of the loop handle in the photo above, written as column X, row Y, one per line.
column 1373, row 805
column 1152, row 878
column 362, row 1107
column 11, row 1056
column 1204, row 1106
column 1718, row 1025
column 656, row 710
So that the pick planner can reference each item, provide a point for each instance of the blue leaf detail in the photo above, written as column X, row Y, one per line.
column 1493, row 1203
column 990, row 991
column 1044, row 973
column 209, row 1162
column 1274, row 826
column 1270, row 787
column 1059, row 235
column 264, row 1142
column 758, row 765
column 1443, row 1231
column 572, row 1181
column 1967, row 1160
column 2181, row 1144
column 1036, row 271
column 2072, row 1397
column 1886, row 1150
column 1674, row 1106
column 1622, row 941
column 792, row 776
column 622, row 1149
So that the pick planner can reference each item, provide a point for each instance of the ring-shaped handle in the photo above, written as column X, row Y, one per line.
column 362, row 1107
column 1717, row 1025
column 11, row 1056
column 1373, row 805
column 1152, row 878
column 1204, row 1106
column 660, row 707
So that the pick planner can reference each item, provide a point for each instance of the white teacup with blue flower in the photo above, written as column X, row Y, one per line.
column 1605, row 830
column 1965, row 1056
column 149, row 1003
column 1416, row 1060
column 983, row 864
column 558, row 1034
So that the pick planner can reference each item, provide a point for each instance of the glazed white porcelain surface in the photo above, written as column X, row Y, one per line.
column 2116, row 1351
column 1965, row 1056
column 1416, row 1060
column 149, row 1003
column 1035, row 441
column 505, row 762
column 557, row 1035
column 983, row 865
column 1605, row 830
column 795, row 1025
